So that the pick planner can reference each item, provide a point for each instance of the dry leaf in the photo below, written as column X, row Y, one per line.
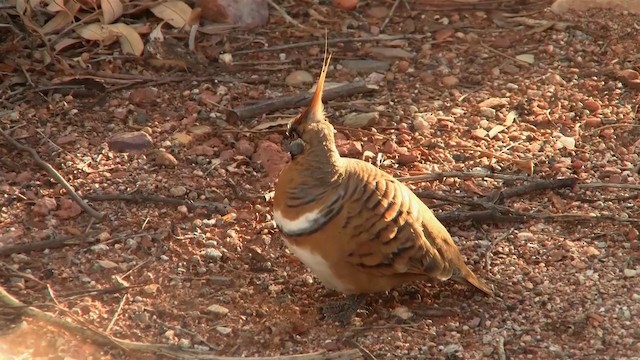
column 62, row 18
column 175, row 13
column 269, row 124
column 111, row 10
column 156, row 34
column 567, row 142
column 508, row 121
column 479, row 133
column 56, row 5
column 95, row 32
column 528, row 58
column 360, row 120
column 60, row 45
column 130, row 40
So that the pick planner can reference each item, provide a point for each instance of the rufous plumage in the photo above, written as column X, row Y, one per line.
column 357, row 228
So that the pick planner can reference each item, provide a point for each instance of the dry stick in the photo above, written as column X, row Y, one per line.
column 299, row 100
column 330, row 41
column 49, row 169
column 285, row 15
column 462, row 175
column 609, row 185
column 503, row 54
column 115, row 316
column 390, row 15
column 46, row 244
column 191, row 205
column 101, row 338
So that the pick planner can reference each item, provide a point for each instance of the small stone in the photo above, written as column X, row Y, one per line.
column 590, row 251
column 99, row 248
column 298, row 78
column 591, row 105
column 170, row 334
column 450, row 81
column 635, row 297
column 525, row 236
column 402, row 312
column 143, row 96
column 403, row 66
column 182, row 138
column 130, row 141
column 245, row 148
column 493, row 103
column 178, row 191
column 106, row 264
column 451, row 349
column 163, row 158
column 184, row 343
column 200, row 130
column 360, row 120
column 20, row 258
column 420, row 124
column 389, row 52
column 474, row 323
column 213, row 254
column 630, row 273
column 408, row 158
column 223, row 330
column 593, row 122
column 366, row 66
column 488, row 112
column 218, row 310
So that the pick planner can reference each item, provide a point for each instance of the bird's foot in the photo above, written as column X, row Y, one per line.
column 342, row 310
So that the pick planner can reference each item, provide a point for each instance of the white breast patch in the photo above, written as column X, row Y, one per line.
column 318, row 266
column 299, row 225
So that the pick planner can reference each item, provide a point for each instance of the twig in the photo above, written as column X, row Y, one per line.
column 115, row 316
column 298, row 100
column 330, row 41
column 285, row 15
column 609, row 185
column 46, row 244
column 93, row 292
column 365, row 353
column 99, row 337
column 49, row 169
column 462, row 175
column 503, row 54
column 191, row 205
column 502, row 354
column 390, row 15
column 487, row 256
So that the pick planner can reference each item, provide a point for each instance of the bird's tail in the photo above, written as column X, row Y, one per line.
column 465, row 276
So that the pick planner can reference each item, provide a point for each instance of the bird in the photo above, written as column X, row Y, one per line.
column 358, row 229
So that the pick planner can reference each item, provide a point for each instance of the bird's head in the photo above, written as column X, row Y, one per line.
column 311, row 128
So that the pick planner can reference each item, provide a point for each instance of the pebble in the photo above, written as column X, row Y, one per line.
column 218, row 310
column 184, row 343
column 178, row 191
column 223, row 330
column 165, row 159
column 106, row 264
column 99, row 248
column 298, row 78
column 20, row 258
column 213, row 254
column 366, row 66
column 488, row 112
column 130, row 141
column 525, row 236
column 450, row 81
column 630, row 273
column 635, row 297
column 591, row 105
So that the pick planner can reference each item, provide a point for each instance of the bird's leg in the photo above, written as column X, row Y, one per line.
column 342, row 310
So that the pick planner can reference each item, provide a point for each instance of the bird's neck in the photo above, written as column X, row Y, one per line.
column 322, row 161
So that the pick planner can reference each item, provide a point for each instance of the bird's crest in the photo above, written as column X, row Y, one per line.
column 315, row 111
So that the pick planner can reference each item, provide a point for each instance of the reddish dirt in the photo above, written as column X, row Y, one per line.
column 566, row 288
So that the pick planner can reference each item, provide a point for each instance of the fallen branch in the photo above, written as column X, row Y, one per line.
column 46, row 244
column 299, row 100
column 54, row 174
column 191, row 205
column 462, row 175
column 330, row 41
column 532, row 187
column 101, row 338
